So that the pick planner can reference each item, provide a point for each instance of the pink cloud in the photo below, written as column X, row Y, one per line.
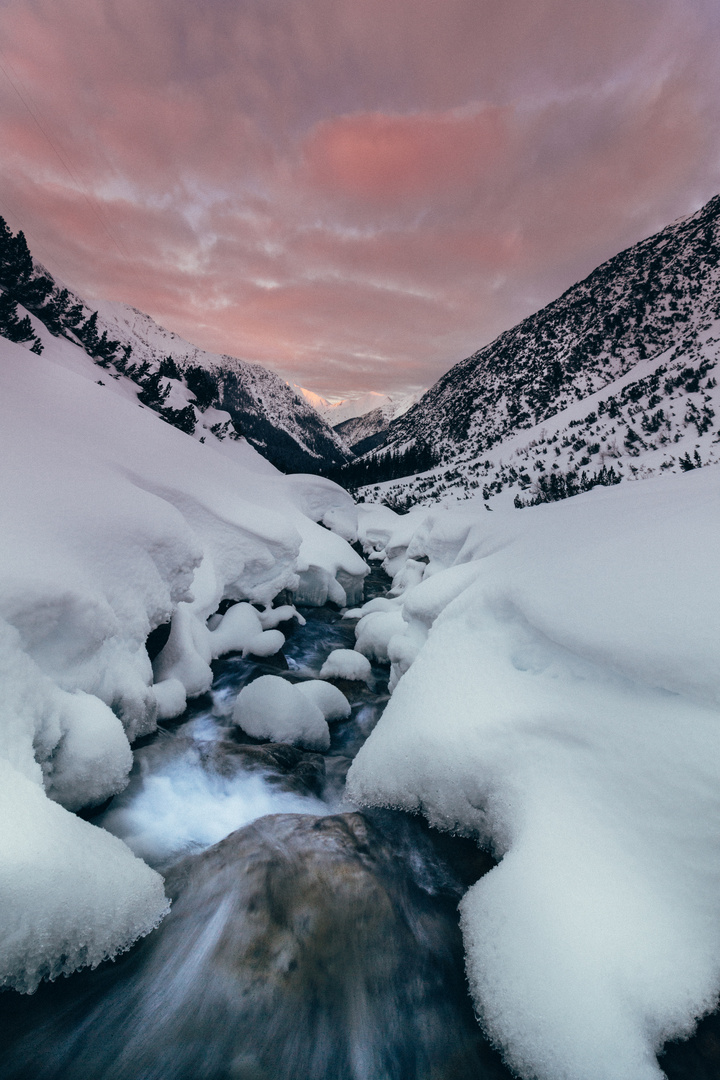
column 355, row 193
column 387, row 158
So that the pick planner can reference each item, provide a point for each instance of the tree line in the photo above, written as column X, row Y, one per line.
column 375, row 468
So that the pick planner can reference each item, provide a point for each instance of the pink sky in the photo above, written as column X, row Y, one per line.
column 355, row 193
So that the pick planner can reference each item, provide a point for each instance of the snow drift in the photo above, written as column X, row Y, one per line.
column 115, row 523
column 557, row 696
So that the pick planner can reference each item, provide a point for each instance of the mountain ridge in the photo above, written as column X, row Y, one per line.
column 199, row 392
column 658, row 299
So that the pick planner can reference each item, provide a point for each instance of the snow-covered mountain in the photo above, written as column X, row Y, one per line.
column 262, row 406
column 192, row 389
column 339, row 413
column 366, row 430
column 618, row 373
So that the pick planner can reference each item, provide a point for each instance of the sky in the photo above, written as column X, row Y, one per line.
column 354, row 193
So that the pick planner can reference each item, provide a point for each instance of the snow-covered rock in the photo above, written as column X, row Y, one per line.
column 272, row 708
column 331, row 702
column 347, row 664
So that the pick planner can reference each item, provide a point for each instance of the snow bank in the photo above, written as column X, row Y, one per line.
column 272, row 708
column 114, row 523
column 71, row 894
column 560, row 700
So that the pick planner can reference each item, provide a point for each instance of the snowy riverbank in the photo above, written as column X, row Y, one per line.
column 115, row 523
column 557, row 693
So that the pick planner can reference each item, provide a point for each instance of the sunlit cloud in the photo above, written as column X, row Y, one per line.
column 354, row 194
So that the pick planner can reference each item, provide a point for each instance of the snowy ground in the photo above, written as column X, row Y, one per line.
column 115, row 522
column 557, row 693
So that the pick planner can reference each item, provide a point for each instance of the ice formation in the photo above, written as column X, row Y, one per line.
column 557, row 692
column 115, row 523
column 272, row 708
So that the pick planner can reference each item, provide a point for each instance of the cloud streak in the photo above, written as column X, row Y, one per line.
column 356, row 194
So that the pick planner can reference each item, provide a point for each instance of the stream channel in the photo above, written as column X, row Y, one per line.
column 307, row 940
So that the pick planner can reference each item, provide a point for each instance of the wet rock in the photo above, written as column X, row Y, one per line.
column 286, row 766
column 298, row 947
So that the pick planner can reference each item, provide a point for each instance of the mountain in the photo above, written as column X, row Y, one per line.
column 337, row 413
column 262, row 407
column 366, row 430
column 617, row 374
column 200, row 392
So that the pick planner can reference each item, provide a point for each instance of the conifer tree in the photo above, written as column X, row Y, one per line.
column 88, row 333
column 11, row 326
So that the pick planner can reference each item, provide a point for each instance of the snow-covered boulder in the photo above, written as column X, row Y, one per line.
column 347, row 664
column 272, row 708
column 374, row 632
column 331, row 702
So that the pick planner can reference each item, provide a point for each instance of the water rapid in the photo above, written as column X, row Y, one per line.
column 308, row 940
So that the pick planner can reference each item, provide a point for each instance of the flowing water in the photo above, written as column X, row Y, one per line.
column 306, row 941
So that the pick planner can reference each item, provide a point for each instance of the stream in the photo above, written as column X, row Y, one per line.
column 306, row 941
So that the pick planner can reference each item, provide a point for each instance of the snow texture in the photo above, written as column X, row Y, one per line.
column 557, row 696
column 347, row 664
column 114, row 523
column 71, row 894
column 272, row 708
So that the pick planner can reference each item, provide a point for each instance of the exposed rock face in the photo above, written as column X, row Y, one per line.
column 324, row 948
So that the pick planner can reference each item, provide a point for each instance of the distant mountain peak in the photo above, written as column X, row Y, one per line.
column 352, row 407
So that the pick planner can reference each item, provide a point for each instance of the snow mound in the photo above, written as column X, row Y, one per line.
column 346, row 664
column 331, row 702
column 113, row 524
column 272, row 708
column 374, row 632
column 71, row 894
column 558, row 696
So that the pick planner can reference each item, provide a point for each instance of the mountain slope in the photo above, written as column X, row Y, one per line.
column 363, row 432
column 636, row 341
column 200, row 393
column 263, row 408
